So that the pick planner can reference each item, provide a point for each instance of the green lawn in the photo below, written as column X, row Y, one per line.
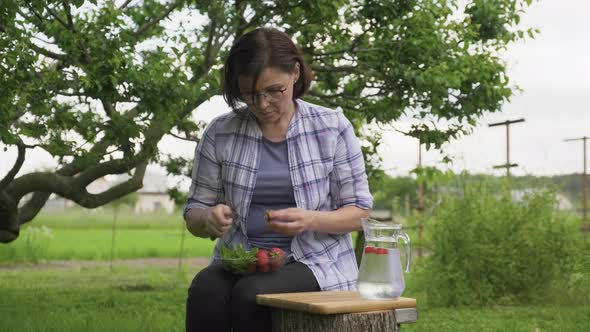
column 95, row 244
column 93, row 299
column 152, row 299
column 529, row 319
column 84, row 235
column 128, row 299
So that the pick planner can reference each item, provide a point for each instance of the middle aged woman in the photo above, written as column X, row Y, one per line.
column 274, row 152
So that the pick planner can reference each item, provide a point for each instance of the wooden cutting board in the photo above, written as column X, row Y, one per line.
column 332, row 302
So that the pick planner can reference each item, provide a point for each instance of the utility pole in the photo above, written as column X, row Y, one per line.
column 420, row 202
column 585, row 225
column 508, row 165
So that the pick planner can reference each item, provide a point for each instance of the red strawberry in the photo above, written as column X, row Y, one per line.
column 370, row 250
column 252, row 267
column 277, row 255
column 262, row 260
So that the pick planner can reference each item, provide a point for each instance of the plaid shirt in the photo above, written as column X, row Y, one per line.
column 327, row 172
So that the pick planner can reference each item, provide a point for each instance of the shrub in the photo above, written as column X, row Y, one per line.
column 490, row 248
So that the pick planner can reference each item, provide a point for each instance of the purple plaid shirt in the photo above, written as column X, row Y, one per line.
column 327, row 172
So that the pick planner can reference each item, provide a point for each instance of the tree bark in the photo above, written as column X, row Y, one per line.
column 297, row 321
column 9, row 225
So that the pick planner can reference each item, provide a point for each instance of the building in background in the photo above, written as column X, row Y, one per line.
column 154, row 195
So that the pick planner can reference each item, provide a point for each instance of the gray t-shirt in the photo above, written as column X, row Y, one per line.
column 273, row 191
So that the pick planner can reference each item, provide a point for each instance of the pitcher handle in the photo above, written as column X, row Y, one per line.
column 406, row 239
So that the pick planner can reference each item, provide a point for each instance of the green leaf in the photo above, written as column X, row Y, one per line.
column 78, row 3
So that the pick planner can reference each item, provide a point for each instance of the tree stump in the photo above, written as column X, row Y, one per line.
column 336, row 311
column 298, row 321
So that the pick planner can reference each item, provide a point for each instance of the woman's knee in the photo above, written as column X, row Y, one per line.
column 244, row 293
column 209, row 285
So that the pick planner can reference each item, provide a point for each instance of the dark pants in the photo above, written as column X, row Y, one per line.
column 221, row 301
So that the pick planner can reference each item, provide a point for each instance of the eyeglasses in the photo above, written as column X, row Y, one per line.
column 271, row 95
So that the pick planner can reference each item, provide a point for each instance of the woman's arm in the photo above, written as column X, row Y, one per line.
column 294, row 221
column 203, row 213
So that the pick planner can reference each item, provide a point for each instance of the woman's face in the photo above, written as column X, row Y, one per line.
column 272, row 98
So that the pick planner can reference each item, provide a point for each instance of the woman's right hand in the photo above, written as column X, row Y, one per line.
column 218, row 220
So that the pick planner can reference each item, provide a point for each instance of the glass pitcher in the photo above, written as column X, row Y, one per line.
column 380, row 273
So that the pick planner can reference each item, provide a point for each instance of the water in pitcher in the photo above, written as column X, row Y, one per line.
column 380, row 275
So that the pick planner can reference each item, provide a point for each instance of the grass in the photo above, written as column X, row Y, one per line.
column 95, row 244
column 152, row 299
column 93, row 299
column 83, row 235
column 529, row 318
column 103, row 217
column 135, row 299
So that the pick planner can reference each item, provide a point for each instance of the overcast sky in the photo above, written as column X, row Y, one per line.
column 553, row 70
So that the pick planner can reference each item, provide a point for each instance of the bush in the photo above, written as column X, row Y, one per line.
column 489, row 248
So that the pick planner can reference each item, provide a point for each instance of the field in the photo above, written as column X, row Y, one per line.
column 79, row 297
column 83, row 235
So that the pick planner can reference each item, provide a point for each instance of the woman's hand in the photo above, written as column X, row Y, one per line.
column 291, row 221
column 218, row 220
column 209, row 222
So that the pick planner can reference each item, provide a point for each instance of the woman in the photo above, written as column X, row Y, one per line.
column 275, row 152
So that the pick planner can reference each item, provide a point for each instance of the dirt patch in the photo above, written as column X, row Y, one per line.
column 136, row 263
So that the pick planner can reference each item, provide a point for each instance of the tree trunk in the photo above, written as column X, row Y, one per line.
column 9, row 224
column 297, row 321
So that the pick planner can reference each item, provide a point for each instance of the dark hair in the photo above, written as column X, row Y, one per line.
column 257, row 50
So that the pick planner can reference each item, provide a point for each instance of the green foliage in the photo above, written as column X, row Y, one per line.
column 97, row 84
column 238, row 252
column 393, row 189
column 489, row 248
column 237, row 259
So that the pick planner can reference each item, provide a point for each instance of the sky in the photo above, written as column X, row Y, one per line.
column 553, row 71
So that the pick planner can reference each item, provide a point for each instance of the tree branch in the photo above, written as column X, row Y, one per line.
column 146, row 26
column 116, row 166
column 59, row 19
column 63, row 186
column 68, row 11
column 91, row 201
column 108, row 107
column 208, row 51
column 125, row 4
column 16, row 167
column 31, row 208
column 47, row 53
column 36, row 13
column 188, row 139
column 351, row 49
column 340, row 69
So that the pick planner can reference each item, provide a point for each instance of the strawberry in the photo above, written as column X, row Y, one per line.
column 277, row 255
column 370, row 250
column 252, row 267
column 262, row 260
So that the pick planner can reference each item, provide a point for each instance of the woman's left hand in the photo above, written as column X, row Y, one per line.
column 291, row 221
